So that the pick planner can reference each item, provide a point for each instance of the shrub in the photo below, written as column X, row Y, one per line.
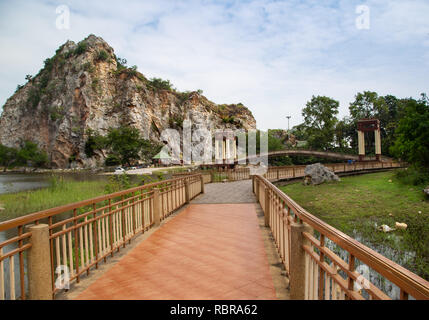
column 228, row 119
column 33, row 97
column 112, row 160
column 413, row 175
column 56, row 113
column 48, row 64
column 81, row 48
column 132, row 71
column 87, row 66
column 158, row 83
column 102, row 55
column 117, row 183
column 121, row 63
column 184, row 96
column 176, row 121
column 95, row 84
column 31, row 155
column 68, row 54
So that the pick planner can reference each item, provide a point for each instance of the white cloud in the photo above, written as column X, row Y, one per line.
column 270, row 55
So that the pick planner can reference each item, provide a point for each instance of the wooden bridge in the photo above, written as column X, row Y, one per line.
column 178, row 239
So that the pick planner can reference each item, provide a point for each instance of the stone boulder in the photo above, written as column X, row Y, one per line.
column 317, row 173
column 426, row 191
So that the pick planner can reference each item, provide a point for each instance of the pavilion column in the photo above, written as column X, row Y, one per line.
column 377, row 144
column 361, row 144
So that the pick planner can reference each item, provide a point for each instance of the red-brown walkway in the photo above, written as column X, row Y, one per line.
column 208, row 251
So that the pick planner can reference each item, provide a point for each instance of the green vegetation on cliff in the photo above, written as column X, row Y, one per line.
column 28, row 154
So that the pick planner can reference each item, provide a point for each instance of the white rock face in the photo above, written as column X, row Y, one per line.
column 317, row 174
column 76, row 92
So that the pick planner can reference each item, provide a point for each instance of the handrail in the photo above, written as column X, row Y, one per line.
column 406, row 280
column 93, row 230
column 32, row 217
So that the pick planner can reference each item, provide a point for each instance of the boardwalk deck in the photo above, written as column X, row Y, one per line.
column 208, row 251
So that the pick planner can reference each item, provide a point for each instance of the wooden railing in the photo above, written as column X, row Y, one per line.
column 289, row 172
column 83, row 234
column 219, row 174
column 285, row 172
column 330, row 258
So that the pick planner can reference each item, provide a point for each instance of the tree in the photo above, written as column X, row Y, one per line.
column 94, row 142
column 125, row 143
column 31, row 155
column 7, row 156
column 319, row 121
column 367, row 105
column 342, row 130
column 387, row 109
column 412, row 134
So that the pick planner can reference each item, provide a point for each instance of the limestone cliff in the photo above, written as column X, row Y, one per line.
column 85, row 86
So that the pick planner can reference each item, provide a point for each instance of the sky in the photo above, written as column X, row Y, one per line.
column 272, row 56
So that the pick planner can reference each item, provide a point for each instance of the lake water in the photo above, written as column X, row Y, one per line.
column 20, row 182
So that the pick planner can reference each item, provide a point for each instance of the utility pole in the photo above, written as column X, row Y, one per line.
column 288, row 117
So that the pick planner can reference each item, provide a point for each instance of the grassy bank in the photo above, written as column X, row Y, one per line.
column 59, row 192
column 358, row 204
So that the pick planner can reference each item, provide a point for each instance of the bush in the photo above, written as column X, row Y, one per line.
column 95, row 84
column 228, row 119
column 49, row 64
column 87, row 66
column 112, row 160
column 158, row 83
column 102, row 55
column 175, row 122
column 31, row 155
column 280, row 161
column 121, row 63
column 132, row 71
column 56, row 113
column 33, row 97
column 117, row 183
column 19, row 87
column 413, row 175
column 81, row 48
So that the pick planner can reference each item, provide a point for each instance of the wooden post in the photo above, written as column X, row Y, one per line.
column 267, row 207
column 297, row 272
column 187, row 193
column 156, row 207
column 257, row 189
column 39, row 263
column 202, row 183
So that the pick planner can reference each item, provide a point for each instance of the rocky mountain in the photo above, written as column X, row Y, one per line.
column 85, row 87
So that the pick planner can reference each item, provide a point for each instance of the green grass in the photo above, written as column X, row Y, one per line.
column 357, row 203
column 59, row 193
